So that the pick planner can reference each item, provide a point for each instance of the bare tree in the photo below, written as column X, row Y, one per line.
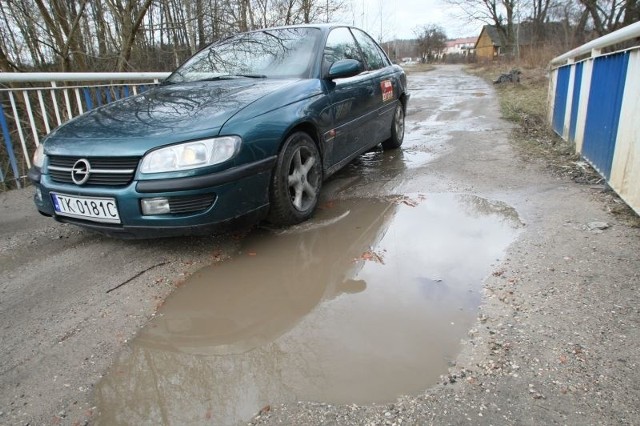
column 66, row 42
column 5, row 64
column 540, row 10
column 7, row 42
column 79, row 35
column 631, row 12
column 130, row 16
column 610, row 15
column 431, row 41
column 499, row 13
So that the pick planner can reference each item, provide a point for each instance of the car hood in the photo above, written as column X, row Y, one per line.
column 160, row 116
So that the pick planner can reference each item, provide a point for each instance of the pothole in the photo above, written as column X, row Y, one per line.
column 366, row 302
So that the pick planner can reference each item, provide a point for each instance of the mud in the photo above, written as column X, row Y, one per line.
column 298, row 314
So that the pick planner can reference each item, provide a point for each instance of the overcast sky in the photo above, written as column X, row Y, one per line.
column 401, row 17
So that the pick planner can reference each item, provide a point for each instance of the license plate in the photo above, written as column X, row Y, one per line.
column 91, row 208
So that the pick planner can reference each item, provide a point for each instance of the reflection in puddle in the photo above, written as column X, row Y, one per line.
column 364, row 303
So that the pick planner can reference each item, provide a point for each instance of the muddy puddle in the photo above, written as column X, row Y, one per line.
column 367, row 301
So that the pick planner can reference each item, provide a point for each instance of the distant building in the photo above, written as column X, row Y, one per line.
column 491, row 44
column 460, row 46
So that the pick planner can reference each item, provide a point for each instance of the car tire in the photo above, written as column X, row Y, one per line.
column 296, row 181
column 397, row 129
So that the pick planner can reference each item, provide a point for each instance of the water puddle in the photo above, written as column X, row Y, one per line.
column 418, row 149
column 367, row 301
column 441, row 107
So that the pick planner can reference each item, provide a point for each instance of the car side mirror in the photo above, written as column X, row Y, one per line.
column 345, row 68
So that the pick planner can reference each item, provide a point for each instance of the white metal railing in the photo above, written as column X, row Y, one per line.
column 32, row 104
column 594, row 48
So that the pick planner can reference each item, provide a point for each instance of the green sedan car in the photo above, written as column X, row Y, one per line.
column 247, row 129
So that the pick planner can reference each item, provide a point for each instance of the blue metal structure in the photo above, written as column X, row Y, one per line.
column 603, row 111
column 9, row 147
column 594, row 103
column 559, row 109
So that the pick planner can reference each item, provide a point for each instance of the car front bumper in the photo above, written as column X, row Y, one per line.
column 239, row 195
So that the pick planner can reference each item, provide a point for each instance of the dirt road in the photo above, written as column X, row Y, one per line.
column 552, row 337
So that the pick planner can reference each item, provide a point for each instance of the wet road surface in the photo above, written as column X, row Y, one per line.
column 367, row 301
column 553, row 341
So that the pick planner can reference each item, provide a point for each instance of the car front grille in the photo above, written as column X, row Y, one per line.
column 191, row 204
column 105, row 171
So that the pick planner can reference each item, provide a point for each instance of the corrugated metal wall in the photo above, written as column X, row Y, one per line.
column 596, row 105
column 560, row 105
column 603, row 111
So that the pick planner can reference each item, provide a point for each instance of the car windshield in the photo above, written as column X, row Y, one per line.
column 275, row 53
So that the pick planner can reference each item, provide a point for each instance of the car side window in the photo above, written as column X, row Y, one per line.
column 340, row 45
column 372, row 53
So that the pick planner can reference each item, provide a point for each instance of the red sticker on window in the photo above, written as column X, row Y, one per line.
column 387, row 90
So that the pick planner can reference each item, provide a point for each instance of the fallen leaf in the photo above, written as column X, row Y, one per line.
column 372, row 256
column 264, row 410
column 326, row 206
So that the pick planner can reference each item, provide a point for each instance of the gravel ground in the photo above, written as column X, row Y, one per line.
column 69, row 302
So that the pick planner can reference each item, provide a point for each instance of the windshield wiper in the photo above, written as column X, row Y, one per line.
column 232, row 77
column 252, row 75
column 219, row 77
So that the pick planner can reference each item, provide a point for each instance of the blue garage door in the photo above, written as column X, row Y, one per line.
column 560, row 104
column 603, row 112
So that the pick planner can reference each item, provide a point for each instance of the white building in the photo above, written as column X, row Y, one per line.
column 460, row 46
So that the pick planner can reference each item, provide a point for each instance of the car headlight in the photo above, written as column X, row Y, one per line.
column 38, row 156
column 191, row 155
